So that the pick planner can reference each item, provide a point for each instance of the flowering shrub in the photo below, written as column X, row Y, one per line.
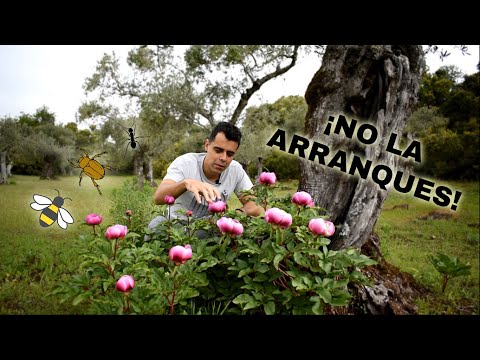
column 276, row 264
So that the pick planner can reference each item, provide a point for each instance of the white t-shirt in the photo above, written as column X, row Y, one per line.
column 190, row 166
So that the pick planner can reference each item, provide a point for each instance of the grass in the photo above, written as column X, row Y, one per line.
column 34, row 259
column 407, row 241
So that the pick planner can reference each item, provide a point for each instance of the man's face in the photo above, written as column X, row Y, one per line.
column 220, row 154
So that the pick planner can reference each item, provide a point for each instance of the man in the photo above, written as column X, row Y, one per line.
column 197, row 179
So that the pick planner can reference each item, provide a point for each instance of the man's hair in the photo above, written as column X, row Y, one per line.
column 231, row 132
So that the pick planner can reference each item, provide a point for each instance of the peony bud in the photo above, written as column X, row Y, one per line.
column 267, row 178
column 125, row 283
column 189, row 213
column 93, row 219
column 286, row 221
column 321, row 227
column 116, row 231
column 169, row 199
column 278, row 217
column 237, row 228
column 330, row 228
column 180, row 254
column 128, row 212
column 230, row 226
column 217, row 207
column 225, row 225
column 301, row 198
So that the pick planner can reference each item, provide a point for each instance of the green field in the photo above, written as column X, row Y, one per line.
column 34, row 259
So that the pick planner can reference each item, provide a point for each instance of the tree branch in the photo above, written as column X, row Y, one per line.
column 257, row 84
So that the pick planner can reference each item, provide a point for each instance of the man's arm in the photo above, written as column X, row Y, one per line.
column 249, row 207
column 175, row 189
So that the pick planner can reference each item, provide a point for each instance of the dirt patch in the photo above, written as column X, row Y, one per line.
column 439, row 215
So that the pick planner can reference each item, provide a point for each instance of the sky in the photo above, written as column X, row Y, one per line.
column 32, row 76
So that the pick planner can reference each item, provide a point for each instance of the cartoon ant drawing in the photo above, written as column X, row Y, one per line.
column 131, row 136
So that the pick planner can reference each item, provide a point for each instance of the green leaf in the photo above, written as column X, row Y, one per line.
column 317, row 307
column 260, row 278
column 251, row 305
column 298, row 284
column 83, row 296
column 324, row 295
column 269, row 308
column 277, row 259
column 242, row 298
column 245, row 272
column 341, row 298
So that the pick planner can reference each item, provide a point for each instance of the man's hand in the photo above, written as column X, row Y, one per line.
column 209, row 192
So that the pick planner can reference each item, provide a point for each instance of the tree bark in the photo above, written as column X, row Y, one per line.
column 138, row 168
column 150, row 171
column 9, row 169
column 3, row 167
column 259, row 166
column 373, row 83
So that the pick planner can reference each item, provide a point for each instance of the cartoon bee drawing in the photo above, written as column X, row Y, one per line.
column 52, row 211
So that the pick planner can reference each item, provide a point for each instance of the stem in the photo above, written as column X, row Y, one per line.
column 110, row 270
column 94, row 233
column 444, row 282
column 126, row 309
column 115, row 249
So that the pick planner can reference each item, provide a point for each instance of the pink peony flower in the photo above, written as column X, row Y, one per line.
column 169, row 199
column 311, row 204
column 330, row 228
column 179, row 254
column 116, row 231
column 225, row 224
column 125, row 283
column 237, row 228
column 286, row 221
column 230, row 226
column 267, row 178
column 217, row 207
column 301, row 198
column 278, row 217
column 321, row 227
column 93, row 219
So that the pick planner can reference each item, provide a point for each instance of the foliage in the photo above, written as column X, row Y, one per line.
column 449, row 267
column 139, row 202
column 284, row 165
column 287, row 113
column 447, row 124
column 267, row 270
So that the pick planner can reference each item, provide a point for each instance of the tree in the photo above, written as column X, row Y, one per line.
column 9, row 137
column 374, row 83
column 287, row 113
column 204, row 86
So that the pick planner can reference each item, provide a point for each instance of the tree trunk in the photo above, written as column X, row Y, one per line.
column 373, row 83
column 150, row 171
column 3, row 167
column 259, row 166
column 9, row 169
column 138, row 167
